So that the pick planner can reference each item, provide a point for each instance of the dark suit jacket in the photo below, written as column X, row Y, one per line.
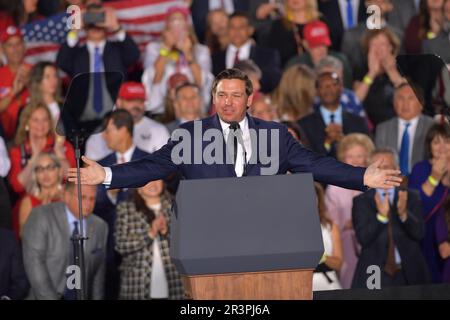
column 314, row 127
column 117, row 56
column 13, row 280
column 104, row 208
column 373, row 237
column 292, row 157
column 332, row 13
column 268, row 60
column 200, row 9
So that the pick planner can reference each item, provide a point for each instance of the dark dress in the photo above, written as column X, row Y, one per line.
column 418, row 176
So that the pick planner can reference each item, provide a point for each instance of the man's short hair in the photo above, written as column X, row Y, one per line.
column 186, row 85
column 230, row 74
column 386, row 150
column 418, row 91
column 240, row 14
column 249, row 67
column 120, row 118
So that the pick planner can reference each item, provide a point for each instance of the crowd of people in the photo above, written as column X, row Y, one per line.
column 314, row 66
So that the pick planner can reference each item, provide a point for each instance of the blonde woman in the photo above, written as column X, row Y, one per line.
column 45, row 87
column 354, row 149
column 177, row 53
column 286, row 34
column 295, row 94
column 43, row 187
column 35, row 135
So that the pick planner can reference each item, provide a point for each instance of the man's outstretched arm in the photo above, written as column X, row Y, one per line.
column 133, row 174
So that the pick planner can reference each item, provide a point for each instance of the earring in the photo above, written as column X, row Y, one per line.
column 27, row 128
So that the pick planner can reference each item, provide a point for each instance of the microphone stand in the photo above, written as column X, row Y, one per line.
column 79, row 239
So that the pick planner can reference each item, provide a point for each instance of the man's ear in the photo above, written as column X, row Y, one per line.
column 251, row 31
column 249, row 100
column 119, row 103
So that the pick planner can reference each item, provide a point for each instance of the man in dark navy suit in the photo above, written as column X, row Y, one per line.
column 336, row 14
column 118, row 135
column 98, row 54
column 232, row 94
column 330, row 122
column 242, row 48
column 389, row 227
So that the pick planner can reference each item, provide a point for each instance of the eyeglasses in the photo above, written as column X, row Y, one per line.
column 50, row 167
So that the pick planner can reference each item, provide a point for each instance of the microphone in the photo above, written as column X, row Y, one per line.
column 238, row 133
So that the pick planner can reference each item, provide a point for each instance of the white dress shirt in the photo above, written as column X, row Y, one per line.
column 5, row 163
column 343, row 10
column 239, row 168
column 159, row 287
column 148, row 135
column 411, row 131
column 244, row 53
column 91, row 49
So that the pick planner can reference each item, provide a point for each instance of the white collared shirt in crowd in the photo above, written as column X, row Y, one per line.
column 244, row 53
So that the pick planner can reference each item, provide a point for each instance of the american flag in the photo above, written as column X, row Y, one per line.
column 142, row 19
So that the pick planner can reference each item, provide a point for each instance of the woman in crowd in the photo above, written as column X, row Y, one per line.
column 354, row 149
column 431, row 178
column 35, row 135
column 286, row 34
column 45, row 88
column 325, row 277
column 178, row 52
column 216, row 37
column 19, row 13
column 295, row 94
column 380, row 76
column 440, row 44
column 142, row 239
column 426, row 25
column 43, row 187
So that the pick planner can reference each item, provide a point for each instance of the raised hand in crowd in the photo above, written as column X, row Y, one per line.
column 266, row 9
column 334, row 133
column 382, row 204
column 402, row 203
column 159, row 226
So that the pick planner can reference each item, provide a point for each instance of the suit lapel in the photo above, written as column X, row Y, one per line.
column 253, row 124
column 392, row 137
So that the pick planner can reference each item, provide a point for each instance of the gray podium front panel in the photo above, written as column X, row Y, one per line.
column 248, row 224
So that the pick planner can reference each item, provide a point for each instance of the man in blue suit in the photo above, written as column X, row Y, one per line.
column 232, row 94
column 118, row 135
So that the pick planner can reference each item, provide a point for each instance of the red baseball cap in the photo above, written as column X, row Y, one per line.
column 316, row 33
column 132, row 90
column 11, row 31
column 183, row 10
column 177, row 79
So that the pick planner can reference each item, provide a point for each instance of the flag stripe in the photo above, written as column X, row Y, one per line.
column 143, row 20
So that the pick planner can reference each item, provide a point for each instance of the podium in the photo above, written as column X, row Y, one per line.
column 248, row 238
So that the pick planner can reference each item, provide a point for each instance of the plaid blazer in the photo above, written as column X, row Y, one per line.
column 136, row 248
